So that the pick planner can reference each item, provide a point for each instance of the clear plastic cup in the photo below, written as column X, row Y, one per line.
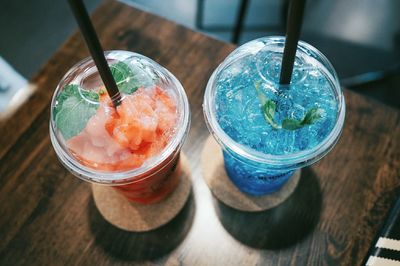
column 257, row 63
column 143, row 177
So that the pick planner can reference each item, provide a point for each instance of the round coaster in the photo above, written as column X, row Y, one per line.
column 130, row 216
column 221, row 186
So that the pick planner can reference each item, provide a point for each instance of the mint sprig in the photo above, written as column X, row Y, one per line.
column 74, row 107
column 269, row 108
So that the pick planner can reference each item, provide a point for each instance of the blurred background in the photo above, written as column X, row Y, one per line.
column 360, row 37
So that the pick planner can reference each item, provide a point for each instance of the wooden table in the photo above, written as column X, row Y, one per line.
column 47, row 216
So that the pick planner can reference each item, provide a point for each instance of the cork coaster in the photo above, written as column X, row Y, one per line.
column 221, row 186
column 130, row 216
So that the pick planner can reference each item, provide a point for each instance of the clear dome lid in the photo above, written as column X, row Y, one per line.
column 250, row 114
column 99, row 142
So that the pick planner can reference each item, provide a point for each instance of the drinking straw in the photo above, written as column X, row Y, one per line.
column 93, row 44
column 295, row 19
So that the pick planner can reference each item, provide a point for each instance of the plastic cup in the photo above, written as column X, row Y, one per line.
column 263, row 166
column 150, row 180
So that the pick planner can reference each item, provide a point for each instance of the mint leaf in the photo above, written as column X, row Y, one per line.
column 268, row 106
column 124, row 77
column 312, row 115
column 74, row 107
column 269, row 113
column 65, row 94
column 291, row 124
column 90, row 95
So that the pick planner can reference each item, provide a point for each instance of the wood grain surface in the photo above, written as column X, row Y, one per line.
column 47, row 216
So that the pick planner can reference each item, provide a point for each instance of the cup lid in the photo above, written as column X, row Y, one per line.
column 252, row 116
column 102, row 143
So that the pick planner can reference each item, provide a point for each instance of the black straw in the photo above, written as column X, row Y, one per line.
column 295, row 20
column 93, row 44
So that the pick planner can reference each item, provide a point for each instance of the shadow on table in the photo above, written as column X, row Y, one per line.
column 140, row 246
column 281, row 226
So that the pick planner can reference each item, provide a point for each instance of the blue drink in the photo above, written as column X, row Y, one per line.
column 266, row 130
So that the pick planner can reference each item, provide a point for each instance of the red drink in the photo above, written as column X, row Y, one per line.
column 134, row 147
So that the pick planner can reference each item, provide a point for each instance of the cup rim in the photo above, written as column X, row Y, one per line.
column 288, row 161
column 125, row 176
